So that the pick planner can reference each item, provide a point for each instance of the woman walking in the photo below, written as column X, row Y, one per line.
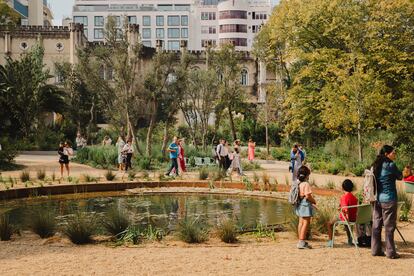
column 250, row 150
column 181, row 156
column 120, row 145
column 128, row 151
column 64, row 152
column 385, row 208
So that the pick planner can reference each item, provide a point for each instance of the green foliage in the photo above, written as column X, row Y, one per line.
column 327, row 210
column 256, row 178
column 262, row 231
column 109, row 175
column 247, row 183
column 144, row 163
column 227, row 231
column 408, row 204
column 89, row 178
column 191, row 230
column 102, row 156
column 116, row 221
column 203, row 173
column 43, row 223
column 41, row 174
column 24, row 176
column 6, row 229
column 80, row 229
column 251, row 166
column 8, row 16
column 132, row 234
column 292, row 221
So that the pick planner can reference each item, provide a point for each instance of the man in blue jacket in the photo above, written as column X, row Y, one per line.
column 174, row 151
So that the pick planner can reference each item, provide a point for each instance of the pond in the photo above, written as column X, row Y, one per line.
column 163, row 211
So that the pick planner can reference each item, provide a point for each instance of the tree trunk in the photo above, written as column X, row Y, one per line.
column 165, row 141
column 267, row 127
column 233, row 129
column 91, row 119
column 359, row 143
column 131, row 133
column 148, row 149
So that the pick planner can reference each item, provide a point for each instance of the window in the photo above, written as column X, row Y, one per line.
column 99, row 21
column 208, row 16
column 235, row 41
column 233, row 15
column 184, row 20
column 173, row 20
column 184, row 33
column 208, row 42
column 146, row 43
column 132, row 19
column 146, row 33
column 160, row 20
column 117, row 20
column 208, row 29
column 98, row 33
column 85, row 32
column 159, row 33
column 146, row 21
column 173, row 33
column 173, row 45
column 233, row 28
column 81, row 19
column 259, row 16
column 244, row 77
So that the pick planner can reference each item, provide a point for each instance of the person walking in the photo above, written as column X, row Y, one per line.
column 385, row 208
column 174, row 151
column 64, row 152
column 236, row 162
column 251, row 146
column 227, row 156
column 221, row 155
column 128, row 152
column 121, row 157
column 296, row 159
column 181, row 156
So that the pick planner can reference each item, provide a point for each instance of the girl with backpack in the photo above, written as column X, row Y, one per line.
column 304, row 207
column 385, row 208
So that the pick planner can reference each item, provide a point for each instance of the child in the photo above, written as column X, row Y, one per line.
column 347, row 199
column 304, row 210
column 408, row 174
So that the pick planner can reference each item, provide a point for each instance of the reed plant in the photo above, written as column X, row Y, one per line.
column 191, row 230
column 203, row 173
column 327, row 210
column 41, row 174
column 25, row 176
column 89, row 178
column 227, row 231
column 132, row 234
column 43, row 223
column 80, row 229
column 116, row 221
column 109, row 175
column 407, row 199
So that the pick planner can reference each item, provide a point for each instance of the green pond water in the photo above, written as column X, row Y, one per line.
column 163, row 211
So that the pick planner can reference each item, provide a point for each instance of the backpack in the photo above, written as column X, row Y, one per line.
column 370, row 186
column 294, row 193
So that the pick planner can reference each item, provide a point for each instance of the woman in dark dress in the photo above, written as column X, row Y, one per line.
column 64, row 152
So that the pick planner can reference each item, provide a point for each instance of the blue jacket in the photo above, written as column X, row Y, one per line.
column 387, row 190
column 293, row 157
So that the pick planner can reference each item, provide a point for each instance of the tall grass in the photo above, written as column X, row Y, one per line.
column 408, row 204
column 25, row 176
column 132, row 234
column 227, row 231
column 41, row 174
column 116, row 221
column 327, row 210
column 80, row 229
column 203, row 173
column 43, row 223
column 109, row 175
column 6, row 229
column 191, row 230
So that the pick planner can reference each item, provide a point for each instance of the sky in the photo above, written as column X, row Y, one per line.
column 63, row 8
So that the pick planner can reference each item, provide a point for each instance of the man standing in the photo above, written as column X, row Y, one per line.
column 80, row 141
column 173, row 150
column 221, row 155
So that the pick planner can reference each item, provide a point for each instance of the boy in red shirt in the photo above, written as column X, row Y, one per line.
column 347, row 199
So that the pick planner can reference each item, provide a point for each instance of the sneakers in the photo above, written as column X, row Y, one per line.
column 303, row 245
column 395, row 256
column 329, row 243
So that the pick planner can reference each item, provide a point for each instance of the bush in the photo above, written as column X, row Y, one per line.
column 227, row 231
column 6, row 229
column 116, row 221
column 192, row 231
column 24, row 176
column 80, row 229
column 282, row 154
column 7, row 154
column 132, row 234
column 359, row 169
column 327, row 210
column 144, row 163
column 109, row 175
column 103, row 156
column 89, row 178
column 203, row 173
column 41, row 174
column 248, row 184
column 250, row 166
column 406, row 208
column 43, row 223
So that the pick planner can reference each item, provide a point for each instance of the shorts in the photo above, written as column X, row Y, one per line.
column 64, row 160
column 304, row 209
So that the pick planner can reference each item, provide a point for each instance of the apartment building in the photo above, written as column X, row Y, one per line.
column 33, row 12
column 197, row 22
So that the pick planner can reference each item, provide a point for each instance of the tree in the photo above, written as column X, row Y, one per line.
column 8, row 16
column 226, row 62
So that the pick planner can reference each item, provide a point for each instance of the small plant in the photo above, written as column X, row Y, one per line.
column 24, row 176
column 53, row 176
column 116, row 221
column 73, row 180
column 406, row 208
column 132, row 234
column 145, row 175
column 192, row 231
column 43, row 223
column 80, row 229
column 202, row 174
column 248, row 184
column 265, row 178
column 11, row 181
column 292, row 221
column 227, row 231
column 153, row 233
column 109, row 175
column 131, row 175
column 256, row 178
column 330, row 185
column 261, row 231
column 89, row 178
column 41, row 174
column 6, row 229
column 326, row 211
column 217, row 174
column 211, row 185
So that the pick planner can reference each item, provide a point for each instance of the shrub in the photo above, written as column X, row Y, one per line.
column 192, row 231
column 80, row 229
column 326, row 212
column 132, row 234
column 227, row 231
column 144, row 163
column 153, row 233
column 89, row 178
column 251, row 166
column 109, row 175
column 358, row 169
column 248, row 184
column 41, row 174
column 280, row 154
column 217, row 174
column 25, row 176
column 73, row 180
column 43, row 223
column 116, row 221
column 6, row 229
column 203, row 173
column 406, row 208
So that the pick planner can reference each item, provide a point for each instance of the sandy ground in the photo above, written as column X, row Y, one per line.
column 28, row 255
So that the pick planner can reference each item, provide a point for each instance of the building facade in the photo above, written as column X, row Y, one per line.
column 33, row 12
column 198, row 22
